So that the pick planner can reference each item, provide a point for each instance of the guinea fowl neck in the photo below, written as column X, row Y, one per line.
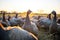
column 49, row 16
column 54, row 18
column 4, row 17
column 16, row 16
column 27, row 21
column 9, row 18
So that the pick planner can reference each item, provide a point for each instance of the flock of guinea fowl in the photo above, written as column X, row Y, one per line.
column 28, row 28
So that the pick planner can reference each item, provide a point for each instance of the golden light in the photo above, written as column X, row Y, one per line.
column 34, row 5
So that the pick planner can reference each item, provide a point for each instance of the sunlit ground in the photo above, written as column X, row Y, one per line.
column 32, row 14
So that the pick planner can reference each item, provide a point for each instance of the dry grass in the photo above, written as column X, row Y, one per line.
column 32, row 14
column 45, row 36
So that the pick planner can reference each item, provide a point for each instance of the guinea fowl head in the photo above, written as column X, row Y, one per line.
column 53, row 12
column 55, row 17
column 29, row 11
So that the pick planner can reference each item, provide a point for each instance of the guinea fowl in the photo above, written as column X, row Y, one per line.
column 15, row 33
column 35, row 19
column 54, row 27
column 19, row 20
column 8, row 20
column 12, row 21
column 30, row 26
column 4, row 21
column 16, row 21
column 44, row 22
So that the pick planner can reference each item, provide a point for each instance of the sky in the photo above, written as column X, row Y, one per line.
column 45, row 6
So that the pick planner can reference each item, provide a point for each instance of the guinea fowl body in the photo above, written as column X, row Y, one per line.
column 30, row 26
column 54, row 27
column 15, row 34
column 44, row 23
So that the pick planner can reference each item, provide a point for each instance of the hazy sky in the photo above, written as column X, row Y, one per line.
column 34, row 5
